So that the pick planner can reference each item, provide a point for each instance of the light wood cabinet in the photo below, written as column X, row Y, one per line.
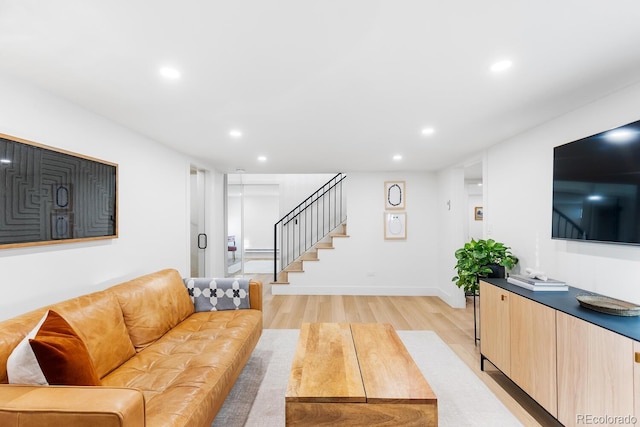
column 519, row 337
column 533, row 350
column 636, row 378
column 495, row 333
column 583, row 367
column 595, row 372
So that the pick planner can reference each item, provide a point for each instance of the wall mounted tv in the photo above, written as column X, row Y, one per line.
column 52, row 196
column 596, row 187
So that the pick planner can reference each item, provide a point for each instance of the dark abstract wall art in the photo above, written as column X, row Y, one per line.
column 54, row 196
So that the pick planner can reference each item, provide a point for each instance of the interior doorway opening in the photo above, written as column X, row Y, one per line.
column 252, row 210
column 474, row 194
column 197, row 230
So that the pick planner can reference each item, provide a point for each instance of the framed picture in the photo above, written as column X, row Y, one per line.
column 394, row 195
column 477, row 213
column 395, row 225
column 51, row 195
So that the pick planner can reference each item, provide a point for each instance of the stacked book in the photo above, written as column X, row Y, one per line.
column 535, row 284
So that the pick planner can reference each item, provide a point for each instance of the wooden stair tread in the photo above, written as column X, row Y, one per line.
column 324, row 245
column 310, row 255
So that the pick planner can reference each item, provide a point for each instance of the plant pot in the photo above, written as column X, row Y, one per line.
column 497, row 271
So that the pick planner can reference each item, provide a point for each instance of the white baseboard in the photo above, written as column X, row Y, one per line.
column 452, row 300
column 352, row 290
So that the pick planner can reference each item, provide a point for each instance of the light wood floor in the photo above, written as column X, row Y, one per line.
column 454, row 326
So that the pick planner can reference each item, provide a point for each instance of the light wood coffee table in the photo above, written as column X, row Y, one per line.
column 356, row 374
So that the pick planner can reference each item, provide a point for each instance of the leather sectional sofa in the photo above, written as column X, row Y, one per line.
column 159, row 363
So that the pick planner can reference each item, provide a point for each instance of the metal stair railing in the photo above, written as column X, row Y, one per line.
column 309, row 223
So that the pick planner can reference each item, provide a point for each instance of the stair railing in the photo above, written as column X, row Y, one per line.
column 308, row 223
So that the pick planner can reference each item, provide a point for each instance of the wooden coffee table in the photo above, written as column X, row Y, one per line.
column 356, row 374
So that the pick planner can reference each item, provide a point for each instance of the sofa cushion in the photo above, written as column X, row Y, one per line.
column 22, row 364
column 98, row 320
column 217, row 294
column 61, row 353
column 186, row 375
column 152, row 305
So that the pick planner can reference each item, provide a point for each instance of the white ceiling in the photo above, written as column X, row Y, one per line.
column 327, row 85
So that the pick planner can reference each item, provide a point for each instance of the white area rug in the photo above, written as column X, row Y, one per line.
column 257, row 398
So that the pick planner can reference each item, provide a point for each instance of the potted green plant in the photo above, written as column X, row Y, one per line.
column 481, row 258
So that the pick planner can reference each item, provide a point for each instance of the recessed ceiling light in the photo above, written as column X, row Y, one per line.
column 169, row 73
column 501, row 66
column 427, row 131
column 235, row 133
column 397, row 157
column 262, row 158
column 5, row 161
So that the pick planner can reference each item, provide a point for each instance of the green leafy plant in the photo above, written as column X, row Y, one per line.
column 474, row 259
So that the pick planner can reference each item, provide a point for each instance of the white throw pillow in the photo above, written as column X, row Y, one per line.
column 22, row 365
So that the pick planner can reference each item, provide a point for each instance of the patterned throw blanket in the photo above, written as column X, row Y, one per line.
column 218, row 294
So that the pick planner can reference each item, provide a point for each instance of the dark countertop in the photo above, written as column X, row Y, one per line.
column 567, row 303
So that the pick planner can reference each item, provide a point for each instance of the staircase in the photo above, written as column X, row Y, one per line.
column 311, row 255
column 308, row 228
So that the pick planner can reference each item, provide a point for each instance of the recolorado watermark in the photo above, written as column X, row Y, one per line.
column 590, row 419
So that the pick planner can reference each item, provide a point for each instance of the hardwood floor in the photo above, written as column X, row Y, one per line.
column 454, row 326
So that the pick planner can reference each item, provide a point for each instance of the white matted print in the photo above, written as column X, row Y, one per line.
column 395, row 225
column 394, row 195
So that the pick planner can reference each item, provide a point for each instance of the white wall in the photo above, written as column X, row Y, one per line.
column 296, row 188
column 366, row 263
column 153, row 204
column 518, row 192
column 451, row 209
column 261, row 212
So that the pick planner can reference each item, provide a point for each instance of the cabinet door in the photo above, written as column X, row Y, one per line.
column 494, row 325
column 595, row 372
column 636, row 377
column 533, row 350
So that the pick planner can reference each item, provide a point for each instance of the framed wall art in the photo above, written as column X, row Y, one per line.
column 395, row 225
column 478, row 213
column 54, row 196
column 394, row 195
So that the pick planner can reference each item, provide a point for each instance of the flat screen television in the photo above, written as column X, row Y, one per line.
column 596, row 187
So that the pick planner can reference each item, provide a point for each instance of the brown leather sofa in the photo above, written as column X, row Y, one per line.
column 159, row 362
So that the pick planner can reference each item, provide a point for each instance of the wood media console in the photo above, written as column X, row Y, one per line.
column 356, row 374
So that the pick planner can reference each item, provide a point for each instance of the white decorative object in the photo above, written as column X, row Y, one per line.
column 536, row 274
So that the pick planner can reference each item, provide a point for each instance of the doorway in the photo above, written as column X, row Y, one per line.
column 197, row 231
column 474, row 192
column 252, row 211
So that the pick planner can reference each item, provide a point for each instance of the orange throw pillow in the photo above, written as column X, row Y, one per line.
column 62, row 355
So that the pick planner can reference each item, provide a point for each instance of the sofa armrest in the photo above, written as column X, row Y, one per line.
column 255, row 294
column 70, row 406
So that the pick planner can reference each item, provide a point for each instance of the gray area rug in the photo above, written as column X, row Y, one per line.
column 257, row 399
